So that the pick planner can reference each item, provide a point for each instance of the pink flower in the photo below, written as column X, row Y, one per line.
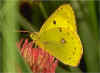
column 39, row 60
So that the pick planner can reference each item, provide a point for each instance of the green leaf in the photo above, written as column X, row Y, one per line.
column 8, row 22
column 88, row 33
column 61, row 70
column 22, row 64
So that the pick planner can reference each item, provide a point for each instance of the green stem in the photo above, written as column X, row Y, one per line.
column 27, row 25
column 9, row 23
column 93, row 18
column 22, row 64
column 43, row 10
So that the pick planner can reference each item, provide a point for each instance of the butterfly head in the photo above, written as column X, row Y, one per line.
column 34, row 35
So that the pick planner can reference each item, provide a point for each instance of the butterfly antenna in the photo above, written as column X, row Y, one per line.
column 30, row 32
column 22, row 31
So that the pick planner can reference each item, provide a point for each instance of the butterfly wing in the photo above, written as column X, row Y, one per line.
column 64, row 44
column 62, row 17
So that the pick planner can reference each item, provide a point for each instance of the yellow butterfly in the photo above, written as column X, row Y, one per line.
column 59, row 37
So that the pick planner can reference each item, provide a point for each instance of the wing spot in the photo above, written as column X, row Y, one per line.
column 60, row 29
column 74, row 48
column 54, row 22
column 45, row 42
column 63, row 41
column 39, row 38
column 69, row 58
column 68, row 21
column 73, row 53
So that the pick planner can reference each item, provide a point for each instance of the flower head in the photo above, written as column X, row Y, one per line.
column 39, row 60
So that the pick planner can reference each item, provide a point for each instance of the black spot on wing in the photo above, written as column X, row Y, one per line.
column 60, row 29
column 54, row 22
column 63, row 41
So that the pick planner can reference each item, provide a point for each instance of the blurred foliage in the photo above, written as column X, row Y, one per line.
column 8, row 26
column 32, row 15
column 9, row 54
column 89, row 31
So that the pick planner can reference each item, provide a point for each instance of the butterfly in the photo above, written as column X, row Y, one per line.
column 59, row 37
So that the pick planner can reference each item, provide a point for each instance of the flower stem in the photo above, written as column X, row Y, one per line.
column 43, row 10
column 9, row 22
